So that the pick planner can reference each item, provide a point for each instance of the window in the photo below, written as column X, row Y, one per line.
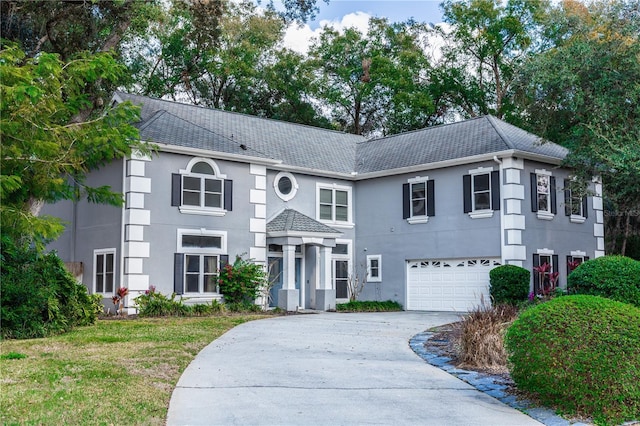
column 200, row 273
column 374, row 268
column 543, row 194
column 574, row 206
column 201, row 189
column 198, row 260
column 545, row 272
column 481, row 192
column 575, row 260
column 285, row 186
column 104, row 270
column 334, row 204
column 418, row 200
column 341, row 262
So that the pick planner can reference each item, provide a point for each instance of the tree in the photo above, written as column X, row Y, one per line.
column 373, row 83
column 45, row 155
column 584, row 93
column 483, row 49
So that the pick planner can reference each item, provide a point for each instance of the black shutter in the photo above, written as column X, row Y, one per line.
column 585, row 207
column 534, row 192
column 431, row 203
column 228, row 195
column 178, row 273
column 466, row 193
column 555, row 265
column 567, row 198
column 495, row 190
column 176, row 189
column 552, row 189
column 536, row 277
column 406, row 201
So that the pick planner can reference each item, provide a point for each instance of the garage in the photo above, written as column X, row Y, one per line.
column 448, row 284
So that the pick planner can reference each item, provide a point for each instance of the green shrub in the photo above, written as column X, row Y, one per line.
column 154, row 304
column 509, row 284
column 613, row 277
column 38, row 295
column 369, row 306
column 579, row 354
column 241, row 281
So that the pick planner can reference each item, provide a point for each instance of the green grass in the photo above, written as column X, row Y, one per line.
column 116, row 372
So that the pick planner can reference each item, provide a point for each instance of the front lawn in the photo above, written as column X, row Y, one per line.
column 116, row 372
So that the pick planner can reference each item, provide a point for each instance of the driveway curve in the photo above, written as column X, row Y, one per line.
column 329, row 369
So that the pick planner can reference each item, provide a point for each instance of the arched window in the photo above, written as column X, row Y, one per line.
column 201, row 189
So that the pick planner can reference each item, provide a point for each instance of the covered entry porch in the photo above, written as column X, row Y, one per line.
column 300, row 250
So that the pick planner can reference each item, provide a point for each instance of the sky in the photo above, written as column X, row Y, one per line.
column 356, row 13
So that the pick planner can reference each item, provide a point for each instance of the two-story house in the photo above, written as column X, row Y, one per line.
column 423, row 216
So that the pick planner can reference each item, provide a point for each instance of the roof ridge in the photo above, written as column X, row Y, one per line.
column 492, row 120
column 424, row 129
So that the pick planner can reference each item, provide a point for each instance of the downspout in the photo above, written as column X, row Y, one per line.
column 503, row 235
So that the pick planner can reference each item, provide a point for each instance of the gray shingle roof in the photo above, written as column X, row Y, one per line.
column 293, row 221
column 293, row 144
column 325, row 150
column 483, row 135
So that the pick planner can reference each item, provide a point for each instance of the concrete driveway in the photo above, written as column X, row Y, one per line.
column 329, row 369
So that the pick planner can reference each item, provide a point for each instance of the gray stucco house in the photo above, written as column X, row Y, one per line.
column 423, row 215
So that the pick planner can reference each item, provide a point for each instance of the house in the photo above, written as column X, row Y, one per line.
column 423, row 216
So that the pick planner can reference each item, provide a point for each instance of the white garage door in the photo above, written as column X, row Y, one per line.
column 448, row 285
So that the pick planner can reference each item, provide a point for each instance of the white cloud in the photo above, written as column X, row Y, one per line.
column 299, row 38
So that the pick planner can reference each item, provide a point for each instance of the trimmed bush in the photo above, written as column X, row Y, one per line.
column 39, row 297
column 369, row 306
column 509, row 284
column 580, row 355
column 613, row 277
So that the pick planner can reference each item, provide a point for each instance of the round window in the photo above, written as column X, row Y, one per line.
column 285, row 185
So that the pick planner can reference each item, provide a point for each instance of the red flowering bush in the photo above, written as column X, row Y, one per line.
column 240, row 282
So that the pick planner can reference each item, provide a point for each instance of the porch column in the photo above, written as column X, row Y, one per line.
column 325, row 294
column 288, row 296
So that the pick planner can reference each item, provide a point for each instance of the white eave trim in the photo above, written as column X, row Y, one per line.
column 462, row 161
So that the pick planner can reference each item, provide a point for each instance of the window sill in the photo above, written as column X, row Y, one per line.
column 374, row 280
column 417, row 220
column 545, row 215
column 345, row 225
column 577, row 219
column 481, row 214
column 201, row 211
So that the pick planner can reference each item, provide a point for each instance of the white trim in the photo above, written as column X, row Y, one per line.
column 544, row 215
column 201, row 232
column 138, row 217
column 294, row 186
column 335, row 187
column 133, row 265
column 545, row 252
column 480, row 170
column 99, row 252
column 258, row 169
column 543, row 172
column 370, row 278
column 139, row 184
column 574, row 218
column 257, row 196
column 578, row 253
column 201, row 211
column 341, row 257
column 417, row 219
column 135, row 167
column 481, row 214
column 175, row 149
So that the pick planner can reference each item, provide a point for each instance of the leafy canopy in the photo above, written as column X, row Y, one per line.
column 45, row 155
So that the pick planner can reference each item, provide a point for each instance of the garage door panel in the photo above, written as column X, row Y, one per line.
column 448, row 285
